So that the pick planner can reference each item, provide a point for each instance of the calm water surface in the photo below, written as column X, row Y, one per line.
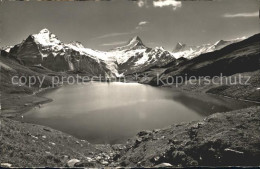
column 113, row 112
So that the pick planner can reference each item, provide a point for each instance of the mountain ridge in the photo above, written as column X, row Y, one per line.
column 45, row 48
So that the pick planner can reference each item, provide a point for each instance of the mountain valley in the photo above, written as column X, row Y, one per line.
column 217, row 137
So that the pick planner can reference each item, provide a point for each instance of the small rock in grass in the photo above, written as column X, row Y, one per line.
column 138, row 140
column 156, row 158
column 47, row 129
column 34, row 137
column 178, row 155
column 98, row 158
column 89, row 159
column 52, row 143
column 163, row 165
column 194, row 163
column 6, row 165
column 174, row 141
column 156, row 130
column 104, row 162
column 163, row 137
column 72, row 162
column 64, row 158
column 84, row 164
column 144, row 132
column 44, row 137
column 47, row 152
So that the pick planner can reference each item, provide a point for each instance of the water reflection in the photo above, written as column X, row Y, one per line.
column 114, row 112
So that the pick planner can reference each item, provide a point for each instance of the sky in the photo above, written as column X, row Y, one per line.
column 103, row 25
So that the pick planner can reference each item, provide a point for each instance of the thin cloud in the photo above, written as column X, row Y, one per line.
column 242, row 15
column 164, row 3
column 114, row 43
column 159, row 3
column 137, row 29
column 114, row 34
column 142, row 3
column 141, row 24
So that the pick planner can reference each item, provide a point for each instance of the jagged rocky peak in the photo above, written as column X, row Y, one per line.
column 133, row 43
column 220, row 42
column 179, row 46
column 136, row 41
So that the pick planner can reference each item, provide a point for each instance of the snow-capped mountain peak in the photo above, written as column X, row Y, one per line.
column 46, row 38
column 134, row 43
column 46, row 49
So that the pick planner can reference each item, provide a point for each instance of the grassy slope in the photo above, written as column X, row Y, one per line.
column 14, row 97
column 32, row 145
column 238, row 91
column 222, row 139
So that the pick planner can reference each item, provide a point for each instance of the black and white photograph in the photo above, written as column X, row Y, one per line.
column 129, row 83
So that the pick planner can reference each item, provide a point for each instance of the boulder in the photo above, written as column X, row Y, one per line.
column 72, row 162
column 163, row 165
column 178, row 156
column 52, row 143
column 144, row 132
column 6, row 165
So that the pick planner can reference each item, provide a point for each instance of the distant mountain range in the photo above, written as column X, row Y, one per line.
column 238, row 57
column 47, row 50
column 189, row 52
